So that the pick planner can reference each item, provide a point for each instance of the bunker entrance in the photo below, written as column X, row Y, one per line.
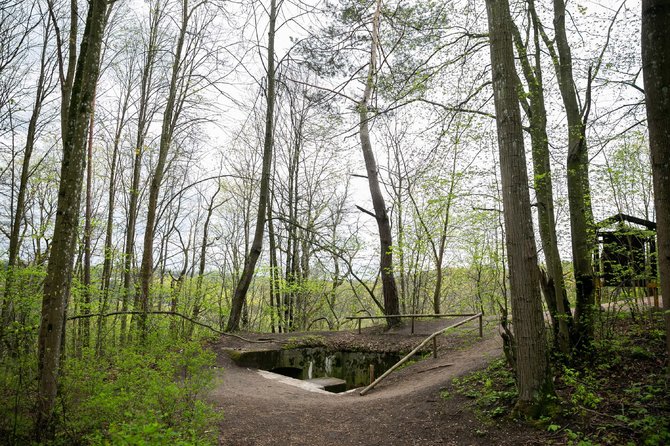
column 334, row 371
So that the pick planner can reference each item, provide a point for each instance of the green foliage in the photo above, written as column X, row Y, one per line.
column 17, row 390
column 140, row 396
column 619, row 396
column 577, row 438
column 131, row 396
column 553, row 428
column 493, row 389
column 583, row 386
column 24, row 303
column 616, row 396
column 135, row 434
column 626, row 173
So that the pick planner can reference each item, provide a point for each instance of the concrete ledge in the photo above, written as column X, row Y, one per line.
column 304, row 385
column 329, row 384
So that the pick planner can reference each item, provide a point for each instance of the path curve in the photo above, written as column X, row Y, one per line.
column 405, row 409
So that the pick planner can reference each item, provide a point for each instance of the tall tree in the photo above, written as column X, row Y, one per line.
column 88, row 229
column 389, row 288
column 275, row 281
column 170, row 117
column 656, row 73
column 532, row 367
column 407, row 46
column 297, row 111
column 59, row 270
column 239, row 297
column 206, row 242
column 187, row 79
column 43, row 89
column 145, row 114
column 535, row 109
column 579, row 190
column 66, row 70
column 121, row 119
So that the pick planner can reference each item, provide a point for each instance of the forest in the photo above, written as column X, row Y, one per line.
column 172, row 171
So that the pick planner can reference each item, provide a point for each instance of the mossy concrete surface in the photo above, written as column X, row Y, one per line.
column 316, row 362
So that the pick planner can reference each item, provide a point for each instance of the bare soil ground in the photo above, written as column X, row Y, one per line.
column 405, row 409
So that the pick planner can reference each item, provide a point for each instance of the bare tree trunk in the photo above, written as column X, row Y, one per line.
column 532, row 367
column 555, row 293
column 389, row 289
column 274, row 274
column 20, row 210
column 67, row 77
column 143, row 121
column 86, row 307
column 656, row 71
column 579, row 190
column 402, row 305
column 399, row 207
column 439, row 259
column 239, row 298
column 291, row 269
column 59, row 270
column 129, row 247
column 199, row 295
column 108, row 261
column 167, row 130
column 176, row 285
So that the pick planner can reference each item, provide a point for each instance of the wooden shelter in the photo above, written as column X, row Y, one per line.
column 625, row 255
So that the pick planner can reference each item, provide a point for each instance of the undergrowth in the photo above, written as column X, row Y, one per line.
column 129, row 396
column 619, row 396
column 492, row 389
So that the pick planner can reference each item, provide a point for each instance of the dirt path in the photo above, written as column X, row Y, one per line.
column 405, row 409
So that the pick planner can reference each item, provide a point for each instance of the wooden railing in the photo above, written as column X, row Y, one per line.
column 418, row 347
column 413, row 317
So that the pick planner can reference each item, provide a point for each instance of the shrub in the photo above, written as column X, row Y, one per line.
column 139, row 396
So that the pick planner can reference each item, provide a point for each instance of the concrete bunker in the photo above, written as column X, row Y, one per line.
column 334, row 371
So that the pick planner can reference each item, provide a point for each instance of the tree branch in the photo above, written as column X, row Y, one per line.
column 365, row 211
column 169, row 313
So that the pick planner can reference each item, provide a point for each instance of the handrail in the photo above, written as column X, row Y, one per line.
column 411, row 316
column 417, row 348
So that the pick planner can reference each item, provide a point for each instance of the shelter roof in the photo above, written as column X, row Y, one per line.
column 624, row 218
